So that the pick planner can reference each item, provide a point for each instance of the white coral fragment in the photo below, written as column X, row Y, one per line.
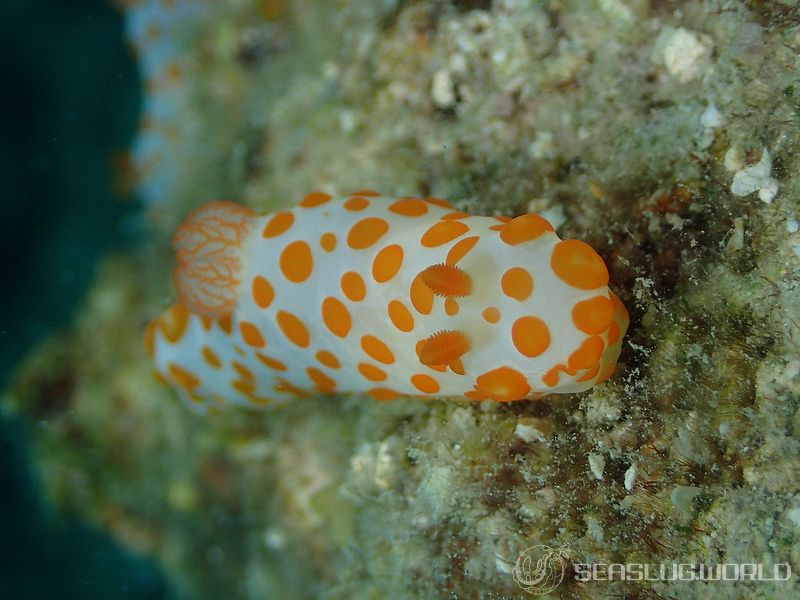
column 682, row 496
column 630, row 476
column 736, row 240
column 443, row 89
column 597, row 464
column 756, row 178
column 530, row 429
column 712, row 117
column 686, row 54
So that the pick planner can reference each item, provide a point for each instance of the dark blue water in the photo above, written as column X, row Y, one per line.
column 69, row 101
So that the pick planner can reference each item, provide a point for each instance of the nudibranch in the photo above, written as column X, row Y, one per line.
column 386, row 296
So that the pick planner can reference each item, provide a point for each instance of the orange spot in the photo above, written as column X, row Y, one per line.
column 208, row 253
column 353, row 286
column 328, row 359
column 575, row 263
column 293, row 328
column 503, row 218
column 245, row 387
column 226, row 324
column 409, row 207
column 174, row 322
column 296, row 261
column 174, row 72
column 387, row 263
column 377, row 349
column 183, row 377
column 443, row 232
column 260, row 400
column 438, row 202
column 530, row 335
column 263, row 294
column 444, row 347
column 454, row 216
column 447, row 281
column 272, row 363
column 477, row 395
column 401, row 316
column 457, row 367
column 288, row 387
column 243, row 371
column 279, row 223
column 160, row 378
column 322, row 382
column 372, row 193
column 383, row 394
column 591, row 373
column 271, row 10
column 336, row 316
column 252, row 336
column 153, row 30
column 588, row 354
column 491, row 314
column 425, row 383
column 211, row 357
column 371, row 372
column 451, row 306
column 517, row 283
column 504, row 384
column 418, row 349
column 593, row 316
column 524, row 229
column 314, row 199
column 421, row 296
column 356, row 204
column 460, row 249
column 366, row 232
column 613, row 334
column 496, row 227
column 328, row 241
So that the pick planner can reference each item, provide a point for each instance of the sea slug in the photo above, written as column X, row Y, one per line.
column 163, row 35
column 386, row 296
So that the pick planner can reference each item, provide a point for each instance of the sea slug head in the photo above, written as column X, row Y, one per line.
column 551, row 324
column 208, row 251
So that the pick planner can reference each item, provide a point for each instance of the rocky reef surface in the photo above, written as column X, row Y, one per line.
column 665, row 133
